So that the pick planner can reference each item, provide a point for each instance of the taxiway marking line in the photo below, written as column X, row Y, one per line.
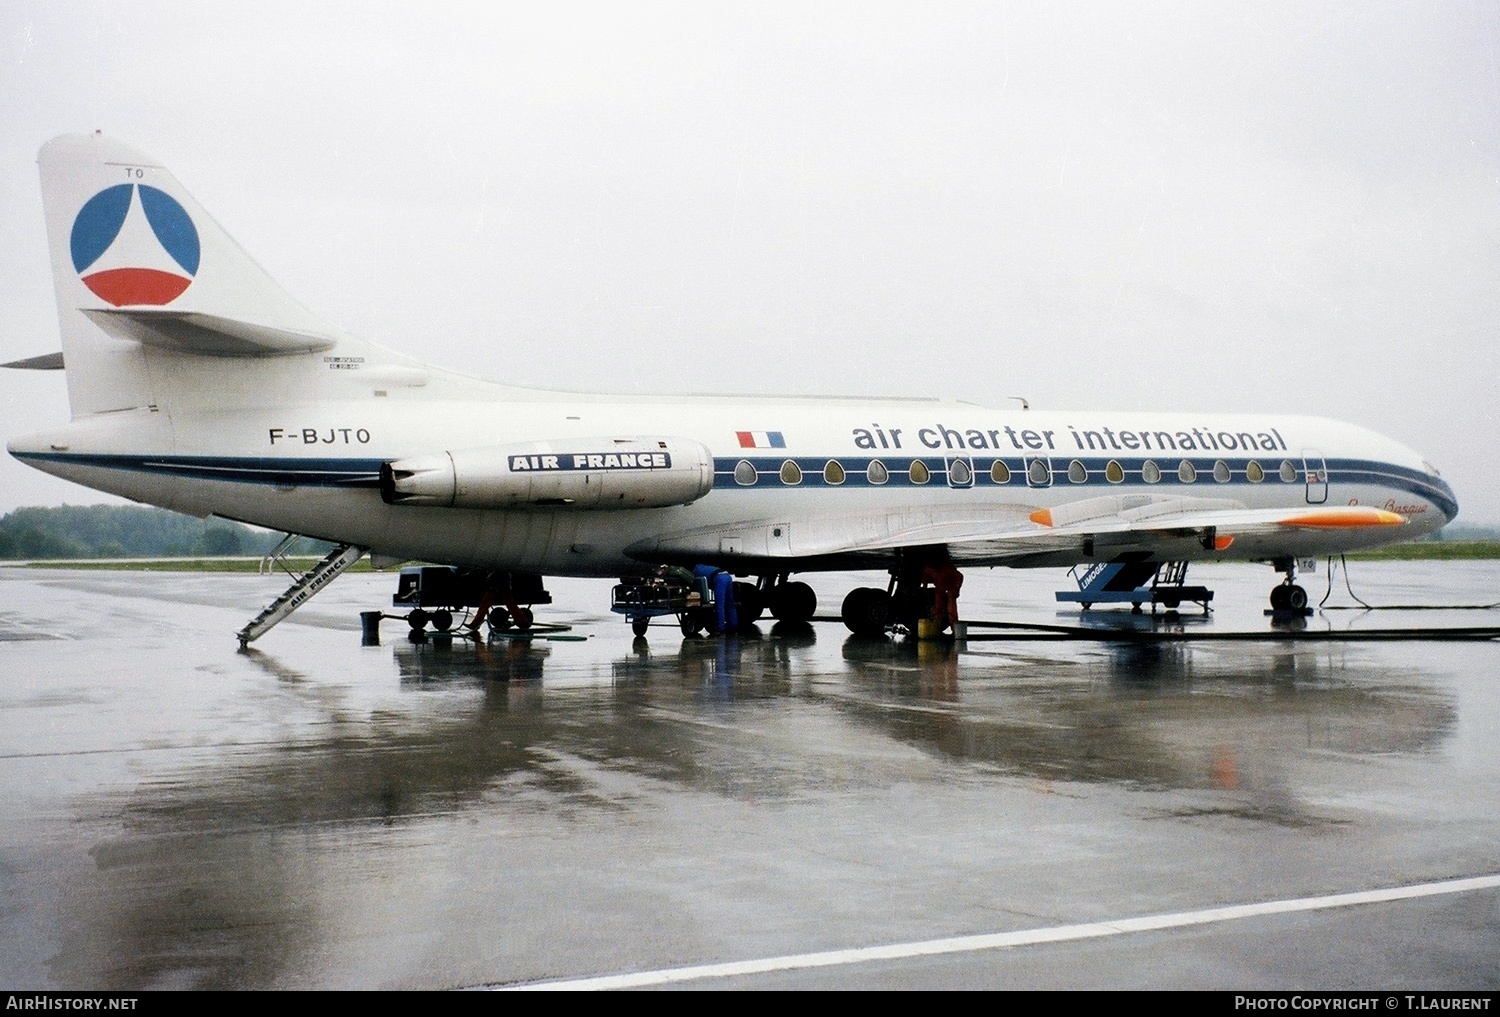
column 1026, row 937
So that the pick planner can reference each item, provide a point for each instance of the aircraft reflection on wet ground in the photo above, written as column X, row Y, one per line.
column 1155, row 715
column 452, row 813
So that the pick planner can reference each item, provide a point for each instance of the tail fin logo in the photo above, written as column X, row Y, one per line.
column 134, row 244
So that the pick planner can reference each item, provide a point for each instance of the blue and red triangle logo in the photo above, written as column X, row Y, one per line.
column 131, row 267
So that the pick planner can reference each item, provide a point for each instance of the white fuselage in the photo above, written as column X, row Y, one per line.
column 862, row 473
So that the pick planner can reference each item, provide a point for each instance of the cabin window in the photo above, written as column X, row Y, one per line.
column 1185, row 472
column 1038, row 474
column 1077, row 472
column 960, row 473
column 1254, row 473
column 1150, row 472
column 744, row 473
column 1114, row 473
column 833, row 473
column 1288, row 472
column 919, row 473
column 876, row 473
column 1000, row 473
column 1221, row 472
column 791, row 473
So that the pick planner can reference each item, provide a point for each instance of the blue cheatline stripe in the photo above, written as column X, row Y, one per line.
column 856, row 473
column 349, row 472
column 279, row 470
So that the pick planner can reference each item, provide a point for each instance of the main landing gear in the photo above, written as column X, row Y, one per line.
column 1288, row 596
column 916, row 593
column 789, row 602
column 867, row 611
column 792, row 602
column 692, row 599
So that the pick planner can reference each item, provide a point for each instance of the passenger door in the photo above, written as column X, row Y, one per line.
column 1316, row 471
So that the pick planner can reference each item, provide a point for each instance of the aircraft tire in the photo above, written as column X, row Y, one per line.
column 1296, row 598
column 866, row 610
column 749, row 605
column 794, row 602
column 1279, row 598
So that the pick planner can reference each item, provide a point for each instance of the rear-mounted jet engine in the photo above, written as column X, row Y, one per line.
column 591, row 473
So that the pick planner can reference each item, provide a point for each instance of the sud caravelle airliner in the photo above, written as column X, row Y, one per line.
column 198, row 384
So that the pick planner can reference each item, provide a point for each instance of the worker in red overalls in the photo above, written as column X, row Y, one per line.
column 946, row 582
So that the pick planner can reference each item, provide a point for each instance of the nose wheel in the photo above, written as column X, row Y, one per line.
column 1288, row 597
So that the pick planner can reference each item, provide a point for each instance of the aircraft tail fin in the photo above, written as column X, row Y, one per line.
column 151, row 291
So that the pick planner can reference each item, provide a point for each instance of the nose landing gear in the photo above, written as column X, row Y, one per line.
column 1288, row 597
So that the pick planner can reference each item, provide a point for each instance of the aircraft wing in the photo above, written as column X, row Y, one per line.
column 1016, row 534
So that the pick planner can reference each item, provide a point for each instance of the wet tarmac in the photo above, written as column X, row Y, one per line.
column 317, row 813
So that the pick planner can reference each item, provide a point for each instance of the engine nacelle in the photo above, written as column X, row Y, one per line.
column 581, row 473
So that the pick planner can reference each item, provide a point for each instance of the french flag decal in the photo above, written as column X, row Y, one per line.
column 761, row 439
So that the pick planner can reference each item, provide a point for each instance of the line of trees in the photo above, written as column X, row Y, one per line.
column 130, row 531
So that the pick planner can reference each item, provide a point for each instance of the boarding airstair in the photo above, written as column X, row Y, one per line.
column 1135, row 583
column 304, row 587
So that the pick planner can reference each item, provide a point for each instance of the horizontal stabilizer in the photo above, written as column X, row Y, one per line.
column 45, row 362
column 205, row 334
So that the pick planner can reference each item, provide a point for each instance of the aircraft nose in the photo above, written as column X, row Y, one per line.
column 1449, row 503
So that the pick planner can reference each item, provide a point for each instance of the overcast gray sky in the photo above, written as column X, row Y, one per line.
column 1265, row 207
